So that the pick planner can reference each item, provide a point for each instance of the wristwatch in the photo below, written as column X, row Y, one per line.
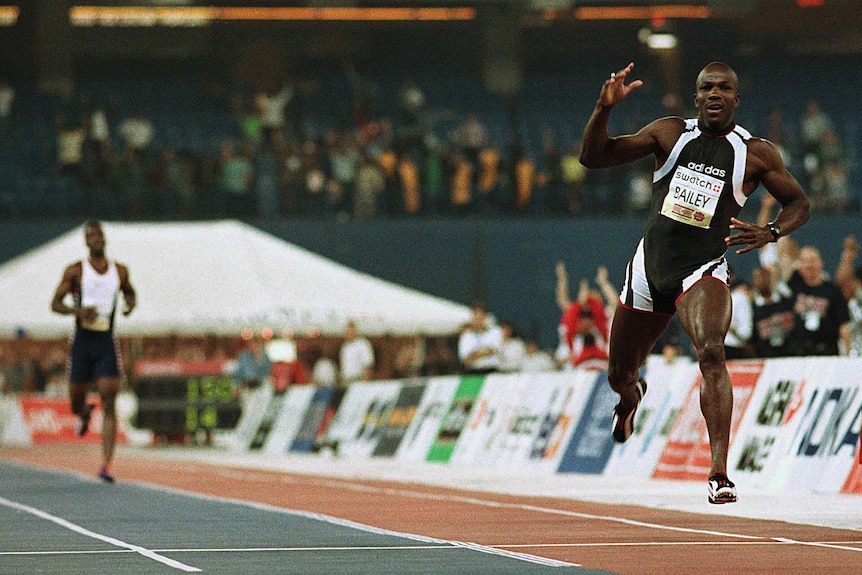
column 775, row 230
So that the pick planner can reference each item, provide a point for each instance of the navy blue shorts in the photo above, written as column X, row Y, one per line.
column 92, row 355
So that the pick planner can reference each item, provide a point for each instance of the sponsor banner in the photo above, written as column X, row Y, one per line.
column 13, row 429
column 456, row 418
column 759, row 453
column 267, row 422
column 539, row 395
column 687, row 454
column 399, row 419
column 424, row 428
column 254, row 407
column 50, row 420
column 569, row 392
column 667, row 388
column 361, row 417
column 591, row 444
column 497, row 407
column 313, row 419
column 287, row 421
column 823, row 448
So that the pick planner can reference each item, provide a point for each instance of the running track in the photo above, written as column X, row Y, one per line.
column 172, row 513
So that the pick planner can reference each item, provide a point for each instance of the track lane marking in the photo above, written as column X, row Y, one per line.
column 149, row 554
column 526, row 507
column 367, row 528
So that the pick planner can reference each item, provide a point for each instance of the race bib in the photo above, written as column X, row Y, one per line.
column 692, row 197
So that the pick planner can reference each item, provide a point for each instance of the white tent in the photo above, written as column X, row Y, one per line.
column 218, row 278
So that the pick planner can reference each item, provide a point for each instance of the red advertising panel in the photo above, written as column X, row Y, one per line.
column 686, row 454
column 50, row 420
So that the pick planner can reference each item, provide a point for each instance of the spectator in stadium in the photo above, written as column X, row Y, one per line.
column 813, row 127
column 820, row 309
column 324, row 370
column 583, row 326
column 411, row 100
column 461, row 185
column 343, row 155
column 271, row 106
column 292, row 183
column 772, row 313
column 536, row 359
column 488, row 182
column 854, row 306
column 7, row 99
column 236, row 177
column 167, row 177
column 737, row 342
column 777, row 133
column 16, row 373
column 512, row 348
column 267, row 172
column 369, row 186
column 606, row 291
column 526, row 181
column 480, row 343
column 409, row 184
column 409, row 360
column 470, row 137
column 95, row 284
column 71, row 138
column 253, row 367
column 356, row 356
column 844, row 275
column 705, row 169
column 137, row 133
column 574, row 175
column 434, row 181
column 440, row 357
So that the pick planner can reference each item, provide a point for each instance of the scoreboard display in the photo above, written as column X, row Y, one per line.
column 184, row 396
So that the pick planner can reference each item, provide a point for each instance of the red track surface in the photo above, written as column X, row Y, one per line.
column 622, row 539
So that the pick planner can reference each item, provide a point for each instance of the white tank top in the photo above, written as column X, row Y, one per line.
column 99, row 291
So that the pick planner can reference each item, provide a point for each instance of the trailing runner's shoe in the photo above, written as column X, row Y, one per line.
column 624, row 422
column 106, row 475
column 721, row 489
column 84, row 424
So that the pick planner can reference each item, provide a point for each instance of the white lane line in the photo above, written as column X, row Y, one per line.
column 816, row 544
column 448, row 546
column 368, row 528
column 525, row 507
column 87, row 533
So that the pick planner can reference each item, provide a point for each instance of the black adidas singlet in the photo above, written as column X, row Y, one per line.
column 695, row 193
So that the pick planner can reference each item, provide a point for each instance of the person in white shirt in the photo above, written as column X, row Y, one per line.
column 512, row 350
column 356, row 356
column 737, row 342
column 536, row 359
column 480, row 343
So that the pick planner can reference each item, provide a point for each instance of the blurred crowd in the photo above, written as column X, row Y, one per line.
column 414, row 159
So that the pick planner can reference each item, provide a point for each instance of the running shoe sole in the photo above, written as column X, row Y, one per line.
column 624, row 423
column 721, row 490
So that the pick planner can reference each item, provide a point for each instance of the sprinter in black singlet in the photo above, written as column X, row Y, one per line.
column 94, row 355
column 705, row 169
